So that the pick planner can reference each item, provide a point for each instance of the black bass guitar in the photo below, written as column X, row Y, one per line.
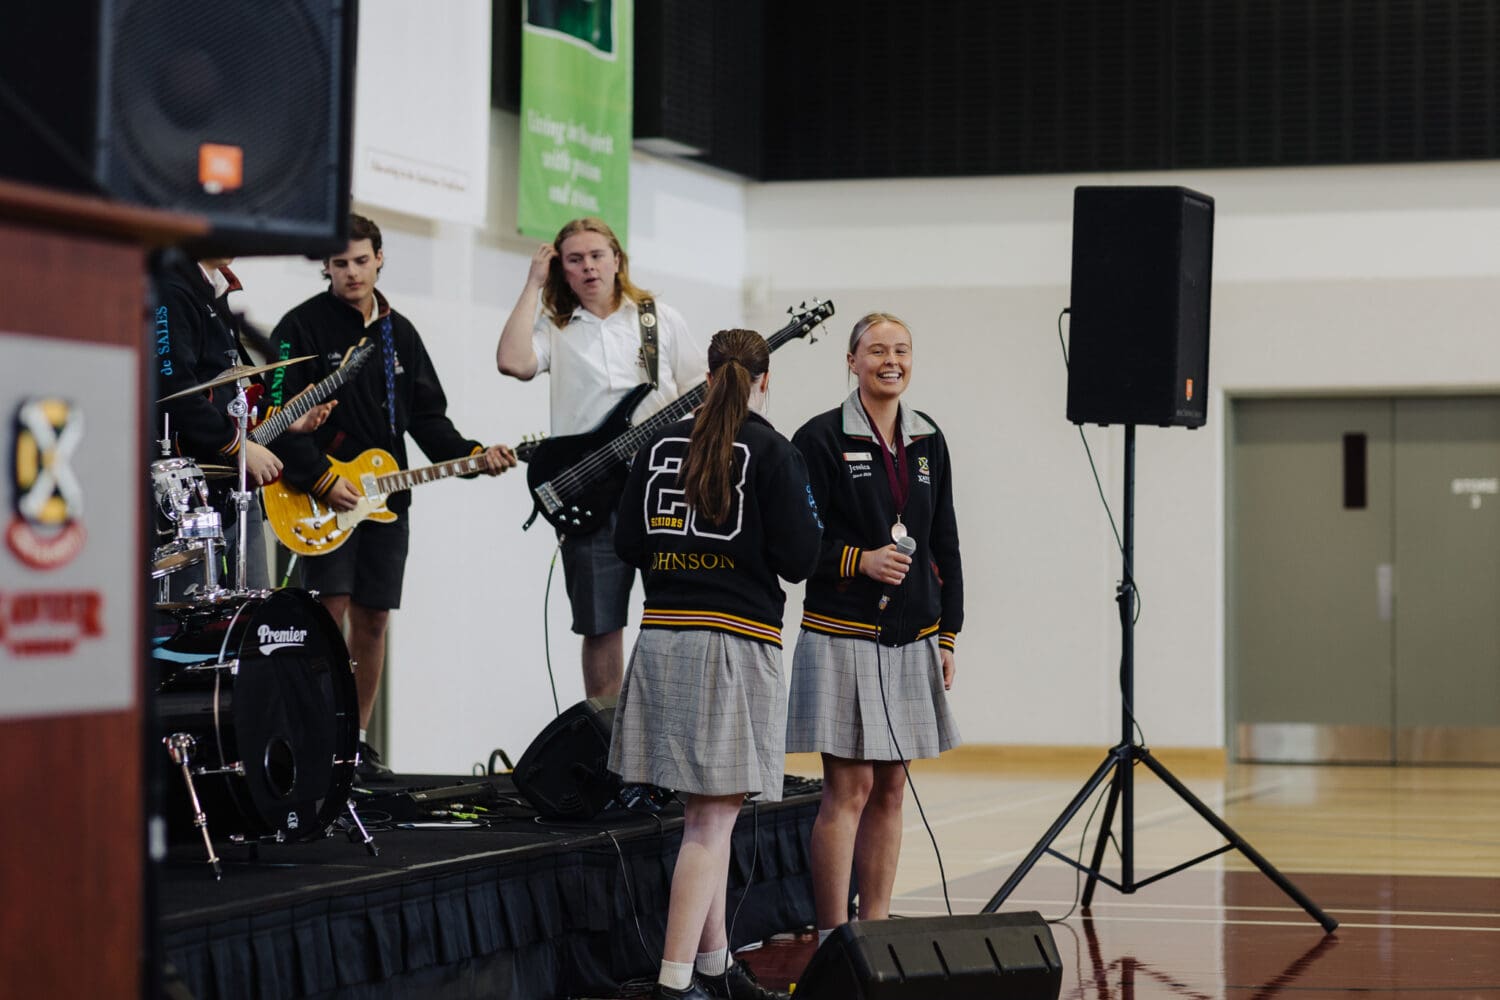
column 575, row 481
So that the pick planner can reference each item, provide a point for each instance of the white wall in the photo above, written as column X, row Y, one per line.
column 1327, row 280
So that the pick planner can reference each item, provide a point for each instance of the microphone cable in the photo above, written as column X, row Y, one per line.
column 901, row 756
column 744, row 893
column 547, row 623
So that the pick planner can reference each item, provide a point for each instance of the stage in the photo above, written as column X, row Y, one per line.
column 472, row 895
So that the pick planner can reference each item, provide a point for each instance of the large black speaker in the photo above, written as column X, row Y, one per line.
column 240, row 112
column 1010, row 956
column 1138, row 329
column 563, row 774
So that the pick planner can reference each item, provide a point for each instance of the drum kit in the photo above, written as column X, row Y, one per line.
column 255, row 696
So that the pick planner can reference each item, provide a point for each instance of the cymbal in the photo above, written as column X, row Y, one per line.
column 218, row 471
column 234, row 374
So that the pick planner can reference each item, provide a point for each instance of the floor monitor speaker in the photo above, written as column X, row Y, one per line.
column 563, row 773
column 1138, row 325
column 238, row 112
column 1009, row 956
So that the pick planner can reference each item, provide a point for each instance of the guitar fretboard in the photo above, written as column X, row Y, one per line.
column 275, row 425
column 628, row 443
column 392, row 482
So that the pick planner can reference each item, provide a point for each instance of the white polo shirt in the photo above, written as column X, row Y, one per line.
column 594, row 362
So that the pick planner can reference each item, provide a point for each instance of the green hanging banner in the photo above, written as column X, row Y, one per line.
column 577, row 60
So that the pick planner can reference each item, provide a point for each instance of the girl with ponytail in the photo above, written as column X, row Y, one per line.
column 716, row 508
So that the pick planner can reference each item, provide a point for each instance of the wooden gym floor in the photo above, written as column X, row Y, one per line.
column 1407, row 859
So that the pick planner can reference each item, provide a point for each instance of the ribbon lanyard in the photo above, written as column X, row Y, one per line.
column 896, row 472
column 388, row 348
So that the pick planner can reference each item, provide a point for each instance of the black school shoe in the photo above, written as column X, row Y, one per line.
column 693, row 992
column 738, row 984
column 370, row 769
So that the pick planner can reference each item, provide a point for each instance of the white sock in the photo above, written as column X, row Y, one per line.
column 713, row 963
column 823, row 933
column 675, row 975
column 362, row 737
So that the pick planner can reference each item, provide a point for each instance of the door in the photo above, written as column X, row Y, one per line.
column 1364, row 580
column 1447, row 543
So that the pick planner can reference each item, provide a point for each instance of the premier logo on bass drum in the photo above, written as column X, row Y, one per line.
column 272, row 639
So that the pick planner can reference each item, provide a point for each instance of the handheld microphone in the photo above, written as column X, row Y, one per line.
column 905, row 545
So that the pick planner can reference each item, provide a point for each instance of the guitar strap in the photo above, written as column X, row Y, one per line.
column 646, row 310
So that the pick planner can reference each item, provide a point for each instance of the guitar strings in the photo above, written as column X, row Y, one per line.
column 602, row 459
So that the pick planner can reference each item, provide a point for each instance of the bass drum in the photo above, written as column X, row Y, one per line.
column 264, row 686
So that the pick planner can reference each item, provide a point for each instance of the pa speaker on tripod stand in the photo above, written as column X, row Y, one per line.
column 1142, row 269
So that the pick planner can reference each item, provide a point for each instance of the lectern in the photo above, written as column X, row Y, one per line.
column 74, row 336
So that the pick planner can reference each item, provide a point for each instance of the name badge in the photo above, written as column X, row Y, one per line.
column 858, row 456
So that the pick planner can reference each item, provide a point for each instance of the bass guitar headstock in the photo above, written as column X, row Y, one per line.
column 805, row 320
column 528, row 446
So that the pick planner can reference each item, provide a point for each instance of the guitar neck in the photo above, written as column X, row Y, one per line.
column 629, row 443
column 273, row 427
column 405, row 479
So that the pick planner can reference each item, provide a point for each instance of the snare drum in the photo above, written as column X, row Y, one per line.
column 264, row 686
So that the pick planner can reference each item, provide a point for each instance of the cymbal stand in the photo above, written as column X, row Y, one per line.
column 239, row 410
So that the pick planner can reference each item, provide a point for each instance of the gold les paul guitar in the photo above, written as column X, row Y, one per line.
column 310, row 527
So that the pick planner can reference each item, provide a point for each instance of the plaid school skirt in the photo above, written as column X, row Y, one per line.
column 836, row 704
column 702, row 712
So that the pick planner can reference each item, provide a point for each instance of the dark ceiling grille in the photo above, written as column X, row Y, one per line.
column 939, row 88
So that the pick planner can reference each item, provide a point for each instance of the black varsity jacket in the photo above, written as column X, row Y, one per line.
column 326, row 327
column 854, row 497
column 719, row 576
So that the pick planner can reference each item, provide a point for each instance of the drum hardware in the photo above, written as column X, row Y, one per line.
column 180, row 489
column 180, row 747
column 173, row 556
column 208, row 602
column 233, row 666
column 239, row 411
column 358, row 824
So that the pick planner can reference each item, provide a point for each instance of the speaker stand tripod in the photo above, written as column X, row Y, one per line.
column 1120, row 761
